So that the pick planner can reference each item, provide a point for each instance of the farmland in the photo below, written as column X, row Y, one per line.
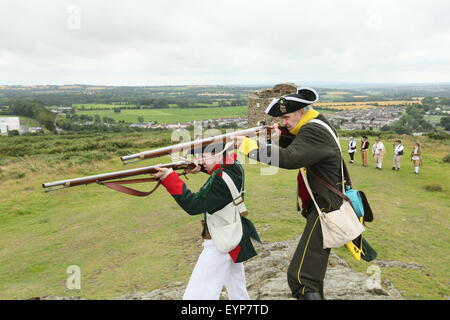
column 169, row 115
column 362, row 104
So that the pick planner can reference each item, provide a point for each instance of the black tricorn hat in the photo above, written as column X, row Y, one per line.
column 292, row 102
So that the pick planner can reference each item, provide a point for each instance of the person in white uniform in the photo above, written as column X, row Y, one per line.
column 351, row 149
column 416, row 157
column 378, row 151
column 398, row 153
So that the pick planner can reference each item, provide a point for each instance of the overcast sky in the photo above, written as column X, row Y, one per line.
column 223, row 42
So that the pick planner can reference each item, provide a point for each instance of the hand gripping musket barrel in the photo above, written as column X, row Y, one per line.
column 196, row 144
column 110, row 179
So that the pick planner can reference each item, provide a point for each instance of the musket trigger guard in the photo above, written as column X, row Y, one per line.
column 185, row 174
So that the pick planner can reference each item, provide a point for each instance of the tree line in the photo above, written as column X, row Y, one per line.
column 34, row 110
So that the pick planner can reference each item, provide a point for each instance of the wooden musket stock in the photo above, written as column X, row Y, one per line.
column 110, row 179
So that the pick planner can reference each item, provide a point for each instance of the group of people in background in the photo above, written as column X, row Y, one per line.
column 379, row 150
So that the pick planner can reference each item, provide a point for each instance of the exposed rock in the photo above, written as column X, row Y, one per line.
column 266, row 279
column 397, row 264
column 52, row 297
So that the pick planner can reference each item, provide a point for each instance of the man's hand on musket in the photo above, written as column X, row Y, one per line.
column 198, row 167
column 275, row 132
column 161, row 173
column 237, row 140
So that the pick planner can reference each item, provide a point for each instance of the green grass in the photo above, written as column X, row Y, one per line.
column 170, row 115
column 433, row 119
column 125, row 244
column 29, row 122
column 105, row 106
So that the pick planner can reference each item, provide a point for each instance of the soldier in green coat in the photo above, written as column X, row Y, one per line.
column 308, row 145
column 214, row 269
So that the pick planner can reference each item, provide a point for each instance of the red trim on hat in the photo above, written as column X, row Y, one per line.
column 173, row 184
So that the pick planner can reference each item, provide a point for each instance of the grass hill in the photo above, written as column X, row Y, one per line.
column 125, row 244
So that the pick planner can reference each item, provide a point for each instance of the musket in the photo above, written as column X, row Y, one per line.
column 196, row 144
column 110, row 179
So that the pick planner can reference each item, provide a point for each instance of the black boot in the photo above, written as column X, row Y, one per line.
column 312, row 296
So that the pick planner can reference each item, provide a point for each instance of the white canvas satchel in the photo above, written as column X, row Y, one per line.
column 225, row 226
column 339, row 226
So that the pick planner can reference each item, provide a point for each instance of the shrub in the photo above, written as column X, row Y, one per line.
column 121, row 153
column 446, row 158
column 440, row 135
column 433, row 187
column 122, row 144
column 17, row 174
column 359, row 133
column 13, row 133
column 93, row 157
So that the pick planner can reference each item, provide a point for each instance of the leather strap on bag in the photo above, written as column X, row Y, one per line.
column 117, row 185
column 236, row 195
column 329, row 186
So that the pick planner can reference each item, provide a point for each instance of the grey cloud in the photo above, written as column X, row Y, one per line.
column 187, row 42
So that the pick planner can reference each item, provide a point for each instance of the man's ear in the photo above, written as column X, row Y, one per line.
column 301, row 112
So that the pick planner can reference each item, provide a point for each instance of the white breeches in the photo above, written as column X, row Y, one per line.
column 214, row 270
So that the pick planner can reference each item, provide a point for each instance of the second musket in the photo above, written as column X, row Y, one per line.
column 193, row 144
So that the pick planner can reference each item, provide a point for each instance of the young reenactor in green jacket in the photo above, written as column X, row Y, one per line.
column 214, row 269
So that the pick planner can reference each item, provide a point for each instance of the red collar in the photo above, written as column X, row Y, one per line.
column 226, row 162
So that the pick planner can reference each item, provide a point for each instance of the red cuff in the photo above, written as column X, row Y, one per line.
column 173, row 184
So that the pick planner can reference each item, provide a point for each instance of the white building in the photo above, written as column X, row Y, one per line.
column 9, row 124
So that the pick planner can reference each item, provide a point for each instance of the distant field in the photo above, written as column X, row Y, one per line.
column 433, row 119
column 100, row 106
column 170, row 115
column 107, row 106
column 362, row 104
column 29, row 122
column 338, row 92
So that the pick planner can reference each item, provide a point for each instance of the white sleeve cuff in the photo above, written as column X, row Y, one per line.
column 166, row 174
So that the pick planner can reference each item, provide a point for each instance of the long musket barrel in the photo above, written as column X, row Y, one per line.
column 190, row 145
column 115, row 175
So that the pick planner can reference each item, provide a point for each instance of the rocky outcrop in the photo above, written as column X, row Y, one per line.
column 266, row 279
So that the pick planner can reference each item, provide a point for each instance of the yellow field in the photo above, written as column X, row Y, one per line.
column 362, row 104
column 338, row 92
column 355, row 107
column 360, row 96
